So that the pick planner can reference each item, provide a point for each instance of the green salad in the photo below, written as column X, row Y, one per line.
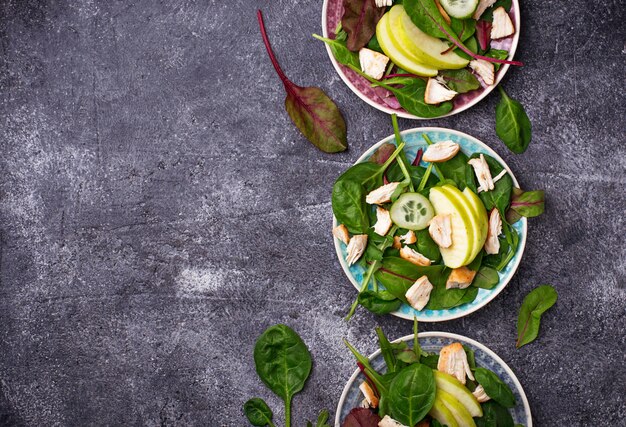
column 431, row 236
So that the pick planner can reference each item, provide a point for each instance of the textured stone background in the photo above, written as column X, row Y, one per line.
column 159, row 211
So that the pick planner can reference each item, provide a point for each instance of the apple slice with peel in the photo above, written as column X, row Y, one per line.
column 419, row 45
column 480, row 214
column 454, row 387
column 397, row 55
column 459, row 412
column 448, row 200
column 441, row 413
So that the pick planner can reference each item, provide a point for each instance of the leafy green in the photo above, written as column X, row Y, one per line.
column 535, row 304
column 460, row 81
column 512, row 123
column 464, row 28
column 527, row 204
column 500, row 196
column 488, row 14
column 258, row 413
column 342, row 54
column 322, row 419
column 310, row 109
column 494, row 415
column 359, row 22
column 283, row 363
column 394, row 174
column 472, row 46
column 398, row 275
column 412, row 394
column 499, row 54
column 349, row 207
column 381, row 302
column 454, row 169
column 486, row 278
column 427, row 246
column 374, row 45
column 495, row 387
column 362, row 417
column 386, row 350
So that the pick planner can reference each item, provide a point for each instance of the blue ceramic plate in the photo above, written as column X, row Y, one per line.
column 433, row 342
column 414, row 141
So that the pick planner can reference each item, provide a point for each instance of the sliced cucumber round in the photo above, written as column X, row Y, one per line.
column 460, row 9
column 412, row 211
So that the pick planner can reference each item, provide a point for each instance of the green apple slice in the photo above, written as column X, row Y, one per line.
column 448, row 200
column 480, row 216
column 451, row 385
column 441, row 413
column 459, row 412
column 383, row 34
column 420, row 46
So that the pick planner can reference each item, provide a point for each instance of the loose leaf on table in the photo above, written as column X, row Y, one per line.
column 310, row 109
column 512, row 123
column 527, row 204
column 258, row 413
column 535, row 304
column 322, row 419
column 486, row 278
column 460, row 81
column 359, row 22
column 412, row 394
column 495, row 387
column 342, row 54
column 349, row 207
column 426, row 16
column 381, row 302
column 283, row 363
column 494, row 415
column 361, row 417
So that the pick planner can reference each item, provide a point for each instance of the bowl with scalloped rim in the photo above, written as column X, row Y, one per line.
column 332, row 11
column 469, row 145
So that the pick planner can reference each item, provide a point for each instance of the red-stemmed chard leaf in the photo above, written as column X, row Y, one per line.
column 310, row 109
column 359, row 22
column 418, row 158
column 426, row 16
column 483, row 34
column 367, row 377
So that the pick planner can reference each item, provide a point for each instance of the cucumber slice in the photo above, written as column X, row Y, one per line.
column 460, row 9
column 412, row 211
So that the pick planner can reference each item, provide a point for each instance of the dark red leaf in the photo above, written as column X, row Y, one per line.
column 418, row 158
column 483, row 34
column 383, row 153
column 361, row 417
column 359, row 21
column 310, row 109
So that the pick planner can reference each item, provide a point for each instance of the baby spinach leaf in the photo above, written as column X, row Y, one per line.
column 386, row 350
column 435, row 423
column 398, row 275
column 454, row 169
column 427, row 246
column 349, row 207
column 472, row 45
column 535, row 304
column 512, row 124
column 486, row 278
column 361, row 417
column 283, row 363
column 469, row 296
column 341, row 53
column 460, row 81
column 430, row 360
column 494, row 415
column 359, row 22
column 394, row 173
column 495, row 387
column 258, row 413
column 381, row 302
column 412, row 394
column 374, row 45
column 310, row 109
column 363, row 173
column 527, row 204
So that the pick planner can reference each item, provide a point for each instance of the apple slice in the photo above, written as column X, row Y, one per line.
column 441, row 413
column 448, row 200
column 422, row 47
column 397, row 55
column 459, row 412
column 480, row 215
column 454, row 387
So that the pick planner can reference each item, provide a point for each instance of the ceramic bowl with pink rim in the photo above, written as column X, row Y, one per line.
column 384, row 100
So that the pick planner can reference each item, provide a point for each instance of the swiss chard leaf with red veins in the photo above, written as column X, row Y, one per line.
column 383, row 153
column 527, row 204
column 483, row 34
column 310, row 109
column 359, row 21
column 361, row 417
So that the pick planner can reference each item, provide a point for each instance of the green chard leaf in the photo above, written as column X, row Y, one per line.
column 460, row 81
column 341, row 53
column 495, row 387
column 359, row 22
column 535, row 304
column 527, row 204
column 512, row 124
column 258, row 413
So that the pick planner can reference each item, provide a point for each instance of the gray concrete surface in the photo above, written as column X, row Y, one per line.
column 159, row 211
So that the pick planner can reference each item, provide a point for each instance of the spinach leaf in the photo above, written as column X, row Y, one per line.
column 381, row 383
column 374, row 45
column 359, row 21
column 394, row 174
column 500, row 196
column 512, row 123
column 464, row 28
column 386, row 350
column 527, row 204
column 427, row 246
column 412, row 394
column 535, row 304
column 472, row 46
column 475, row 264
column 499, row 54
column 310, row 109
column 454, row 169
column 460, row 81
column 442, row 298
column 486, row 278
column 342, row 54
column 258, row 413
column 469, row 296
column 430, row 360
column 283, row 363
column 494, row 415
column 488, row 14
column 398, row 275
column 381, row 302
column 435, row 423
column 361, row 417
column 495, row 387
column 363, row 173
column 349, row 207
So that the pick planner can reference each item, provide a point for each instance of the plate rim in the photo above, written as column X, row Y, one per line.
column 401, row 113
column 438, row 334
column 523, row 237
